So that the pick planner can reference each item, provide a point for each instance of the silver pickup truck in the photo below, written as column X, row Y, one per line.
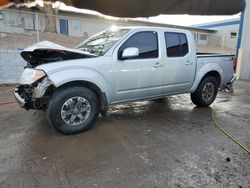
column 118, row 65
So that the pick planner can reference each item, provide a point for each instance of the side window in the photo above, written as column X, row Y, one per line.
column 183, row 44
column 173, row 44
column 177, row 44
column 146, row 42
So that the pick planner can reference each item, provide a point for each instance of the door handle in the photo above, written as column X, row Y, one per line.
column 157, row 65
column 189, row 63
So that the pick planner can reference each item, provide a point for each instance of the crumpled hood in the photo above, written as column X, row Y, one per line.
column 47, row 52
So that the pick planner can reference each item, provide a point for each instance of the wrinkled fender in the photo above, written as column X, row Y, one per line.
column 65, row 75
column 203, row 71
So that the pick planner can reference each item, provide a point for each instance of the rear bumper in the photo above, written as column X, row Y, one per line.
column 228, row 86
column 232, row 80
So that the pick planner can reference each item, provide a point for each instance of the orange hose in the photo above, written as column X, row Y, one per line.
column 7, row 102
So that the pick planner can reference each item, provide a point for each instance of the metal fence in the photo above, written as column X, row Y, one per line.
column 19, row 29
column 215, row 43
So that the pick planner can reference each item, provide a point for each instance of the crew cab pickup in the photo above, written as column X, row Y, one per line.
column 118, row 65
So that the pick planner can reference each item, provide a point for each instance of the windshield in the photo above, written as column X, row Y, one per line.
column 101, row 43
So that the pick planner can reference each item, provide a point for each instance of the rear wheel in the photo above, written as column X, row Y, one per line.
column 73, row 110
column 206, row 92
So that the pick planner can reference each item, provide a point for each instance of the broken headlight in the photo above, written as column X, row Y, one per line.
column 29, row 76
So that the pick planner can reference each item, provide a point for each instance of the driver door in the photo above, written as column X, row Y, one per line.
column 142, row 76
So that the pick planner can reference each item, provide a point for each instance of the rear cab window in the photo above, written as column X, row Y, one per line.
column 176, row 44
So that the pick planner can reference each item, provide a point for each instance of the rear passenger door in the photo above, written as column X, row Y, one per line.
column 179, row 63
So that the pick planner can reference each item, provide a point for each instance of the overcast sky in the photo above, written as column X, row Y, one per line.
column 187, row 20
column 184, row 20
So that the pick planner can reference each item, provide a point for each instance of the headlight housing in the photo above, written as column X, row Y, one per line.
column 29, row 76
column 38, row 74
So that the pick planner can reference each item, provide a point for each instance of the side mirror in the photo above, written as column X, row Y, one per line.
column 130, row 53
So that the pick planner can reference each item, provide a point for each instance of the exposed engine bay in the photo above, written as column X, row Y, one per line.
column 42, row 56
column 47, row 52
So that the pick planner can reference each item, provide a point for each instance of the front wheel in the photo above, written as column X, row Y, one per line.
column 206, row 92
column 73, row 110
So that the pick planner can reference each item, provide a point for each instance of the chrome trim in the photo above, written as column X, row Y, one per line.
column 75, row 111
column 233, row 79
column 208, row 91
column 39, row 91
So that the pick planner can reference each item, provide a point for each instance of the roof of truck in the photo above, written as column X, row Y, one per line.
column 149, row 28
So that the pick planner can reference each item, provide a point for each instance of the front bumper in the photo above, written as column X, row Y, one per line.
column 23, row 97
column 29, row 97
column 19, row 98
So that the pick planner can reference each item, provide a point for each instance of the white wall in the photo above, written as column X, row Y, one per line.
column 82, row 27
column 201, row 39
column 11, row 66
column 245, row 45
column 88, row 27
column 12, row 21
column 225, row 31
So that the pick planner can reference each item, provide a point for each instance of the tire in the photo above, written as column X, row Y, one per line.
column 206, row 92
column 73, row 110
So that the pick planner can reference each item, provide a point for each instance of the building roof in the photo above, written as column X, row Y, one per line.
column 235, row 21
column 121, row 21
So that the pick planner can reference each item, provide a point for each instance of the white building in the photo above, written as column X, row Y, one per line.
column 244, row 45
column 70, row 23
column 237, row 33
column 228, row 29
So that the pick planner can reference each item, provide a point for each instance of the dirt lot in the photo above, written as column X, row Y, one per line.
column 143, row 144
column 13, row 41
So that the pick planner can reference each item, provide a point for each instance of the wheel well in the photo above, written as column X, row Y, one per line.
column 101, row 96
column 214, row 74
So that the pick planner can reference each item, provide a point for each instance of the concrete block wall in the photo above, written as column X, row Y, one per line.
column 11, row 66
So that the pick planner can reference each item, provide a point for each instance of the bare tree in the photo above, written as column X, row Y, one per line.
column 50, row 17
column 51, row 12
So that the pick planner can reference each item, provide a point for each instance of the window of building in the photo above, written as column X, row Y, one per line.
column 76, row 25
column 203, row 37
column 1, row 16
column 20, row 21
column 233, row 34
column 146, row 42
column 29, row 23
column 176, row 44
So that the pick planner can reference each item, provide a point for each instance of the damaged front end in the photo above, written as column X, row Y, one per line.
column 35, row 90
column 48, row 52
column 35, row 87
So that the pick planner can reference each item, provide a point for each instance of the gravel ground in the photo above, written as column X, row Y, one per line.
column 13, row 41
column 143, row 144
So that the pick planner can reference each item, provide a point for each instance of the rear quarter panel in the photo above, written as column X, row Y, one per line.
column 223, row 64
